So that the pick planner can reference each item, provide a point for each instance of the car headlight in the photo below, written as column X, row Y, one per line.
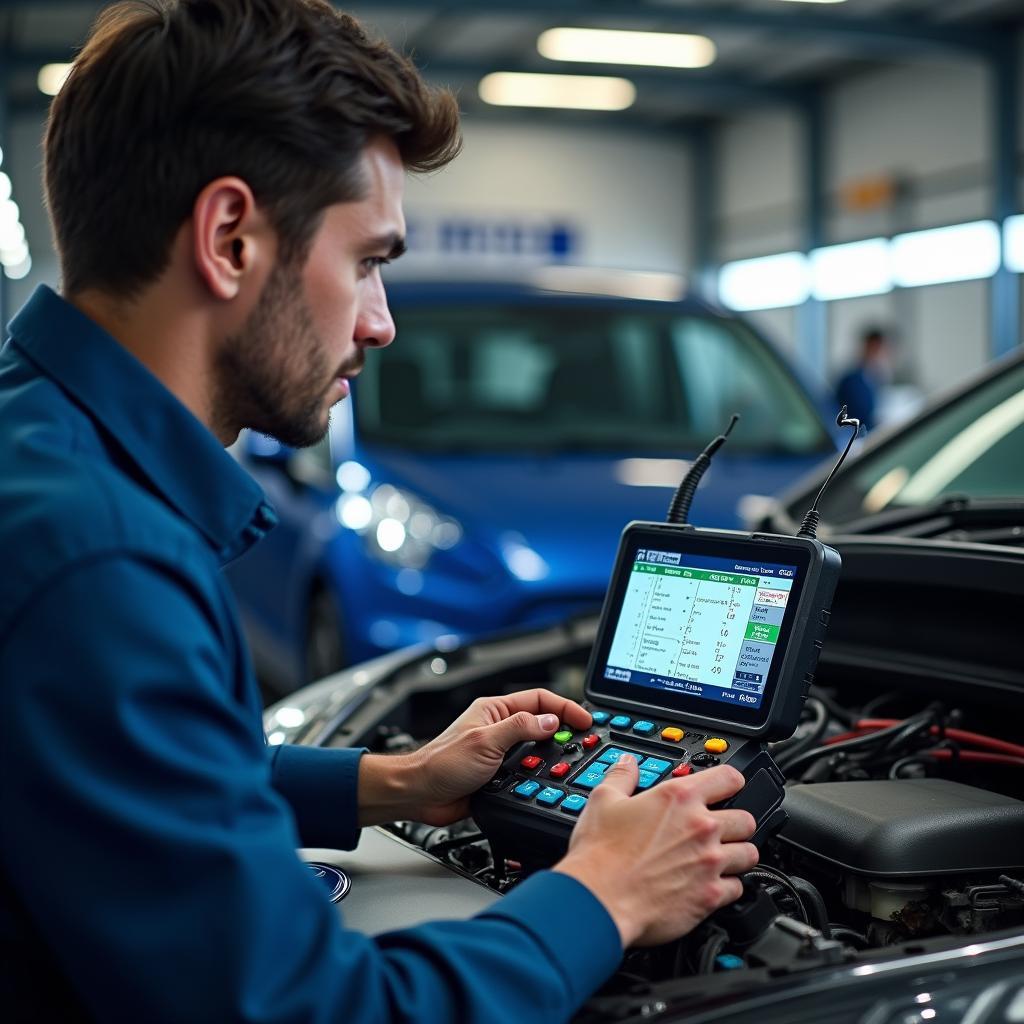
column 397, row 527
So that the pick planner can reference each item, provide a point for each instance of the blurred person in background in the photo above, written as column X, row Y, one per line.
column 859, row 389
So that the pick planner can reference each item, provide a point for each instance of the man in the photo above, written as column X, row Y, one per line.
column 858, row 388
column 224, row 179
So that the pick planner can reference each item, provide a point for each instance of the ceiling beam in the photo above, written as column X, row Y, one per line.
column 862, row 35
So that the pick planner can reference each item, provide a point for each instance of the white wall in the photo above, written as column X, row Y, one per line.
column 928, row 125
column 627, row 194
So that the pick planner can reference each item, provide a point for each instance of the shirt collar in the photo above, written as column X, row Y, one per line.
column 179, row 456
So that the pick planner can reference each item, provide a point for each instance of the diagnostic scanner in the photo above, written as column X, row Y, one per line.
column 706, row 649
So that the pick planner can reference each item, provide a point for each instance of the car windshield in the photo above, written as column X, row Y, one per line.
column 972, row 447
column 580, row 379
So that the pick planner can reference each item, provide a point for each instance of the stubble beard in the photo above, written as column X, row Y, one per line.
column 273, row 376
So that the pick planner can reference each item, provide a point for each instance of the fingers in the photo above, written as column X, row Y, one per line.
column 622, row 777
column 518, row 728
column 712, row 784
column 739, row 858
column 736, row 826
column 541, row 702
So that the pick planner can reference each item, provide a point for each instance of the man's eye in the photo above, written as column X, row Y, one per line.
column 375, row 262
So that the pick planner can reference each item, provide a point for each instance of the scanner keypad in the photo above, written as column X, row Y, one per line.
column 580, row 759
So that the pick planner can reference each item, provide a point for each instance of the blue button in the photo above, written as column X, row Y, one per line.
column 526, row 789
column 593, row 776
column 621, row 722
column 656, row 765
column 574, row 803
column 549, row 796
column 611, row 755
column 647, row 779
column 643, row 728
column 600, row 717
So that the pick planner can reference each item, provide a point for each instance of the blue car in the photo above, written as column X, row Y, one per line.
column 486, row 463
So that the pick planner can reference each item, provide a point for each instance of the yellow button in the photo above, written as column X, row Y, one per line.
column 672, row 734
column 716, row 746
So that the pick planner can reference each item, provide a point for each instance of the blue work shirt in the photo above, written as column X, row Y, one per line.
column 148, row 867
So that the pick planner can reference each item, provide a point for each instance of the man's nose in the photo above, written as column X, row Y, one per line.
column 375, row 328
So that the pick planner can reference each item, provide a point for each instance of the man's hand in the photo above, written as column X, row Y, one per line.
column 434, row 784
column 660, row 861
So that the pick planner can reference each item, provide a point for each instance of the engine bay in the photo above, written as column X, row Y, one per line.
column 904, row 786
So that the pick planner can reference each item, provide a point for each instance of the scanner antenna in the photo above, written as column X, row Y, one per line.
column 679, row 510
column 809, row 527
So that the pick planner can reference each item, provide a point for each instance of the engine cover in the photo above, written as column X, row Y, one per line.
column 906, row 827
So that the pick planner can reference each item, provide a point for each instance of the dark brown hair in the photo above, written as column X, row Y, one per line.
column 168, row 95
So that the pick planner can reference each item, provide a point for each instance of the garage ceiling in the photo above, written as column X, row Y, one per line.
column 769, row 51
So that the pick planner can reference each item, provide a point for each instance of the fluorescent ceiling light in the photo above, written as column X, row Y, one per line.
column 769, row 282
column 1013, row 243
column 574, row 92
column 963, row 252
column 851, row 269
column 607, row 46
column 52, row 77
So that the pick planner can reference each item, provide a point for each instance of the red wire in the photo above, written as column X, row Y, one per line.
column 974, row 755
column 960, row 735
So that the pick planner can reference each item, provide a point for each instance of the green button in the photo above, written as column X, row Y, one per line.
column 563, row 736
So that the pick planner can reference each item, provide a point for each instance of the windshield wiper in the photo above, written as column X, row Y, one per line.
column 969, row 518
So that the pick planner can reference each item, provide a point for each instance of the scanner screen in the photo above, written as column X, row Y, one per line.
column 700, row 626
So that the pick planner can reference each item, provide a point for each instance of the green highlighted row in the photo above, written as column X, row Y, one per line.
column 696, row 574
column 762, row 631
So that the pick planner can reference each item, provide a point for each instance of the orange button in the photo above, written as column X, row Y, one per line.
column 672, row 734
column 716, row 746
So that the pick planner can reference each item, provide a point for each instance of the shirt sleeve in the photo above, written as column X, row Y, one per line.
column 146, row 790
column 321, row 788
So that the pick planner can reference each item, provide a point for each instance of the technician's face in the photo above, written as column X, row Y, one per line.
column 307, row 336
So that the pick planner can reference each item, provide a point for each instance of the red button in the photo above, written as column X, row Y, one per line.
column 560, row 769
column 683, row 769
column 589, row 741
column 530, row 761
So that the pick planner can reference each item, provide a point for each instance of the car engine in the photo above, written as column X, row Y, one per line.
column 904, row 789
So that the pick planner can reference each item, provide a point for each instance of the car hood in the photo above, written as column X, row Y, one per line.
column 570, row 509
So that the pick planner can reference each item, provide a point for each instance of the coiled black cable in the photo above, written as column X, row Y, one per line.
column 862, row 743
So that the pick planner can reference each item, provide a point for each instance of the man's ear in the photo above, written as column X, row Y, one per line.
column 229, row 236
